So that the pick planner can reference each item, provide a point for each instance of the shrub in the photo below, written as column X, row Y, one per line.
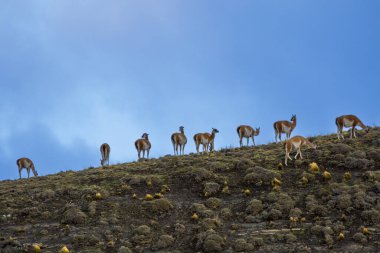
column 202, row 210
column 219, row 166
column 374, row 155
column 290, row 238
column 316, row 230
column 124, row 249
column 372, row 176
column 86, row 240
column 314, row 208
column 343, row 201
column 47, row 194
column 371, row 216
column 192, row 173
column 158, row 205
column 163, row 242
column 213, row 243
column 360, row 200
column 360, row 238
column 256, row 241
column 281, row 201
column 142, row 230
column 211, row 188
column 213, row 203
column 274, row 214
column 226, row 213
column 208, row 223
column 260, row 176
column 244, row 164
column 309, row 176
column 243, row 245
column 73, row 215
column 356, row 163
column 341, row 148
column 136, row 180
column 295, row 212
column 254, row 207
column 358, row 154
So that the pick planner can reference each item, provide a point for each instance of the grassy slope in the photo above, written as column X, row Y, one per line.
column 61, row 209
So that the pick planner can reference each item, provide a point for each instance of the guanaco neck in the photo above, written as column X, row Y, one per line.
column 294, row 122
column 212, row 137
column 362, row 125
column 308, row 143
column 34, row 170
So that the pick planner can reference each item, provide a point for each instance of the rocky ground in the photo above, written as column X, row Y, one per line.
column 234, row 200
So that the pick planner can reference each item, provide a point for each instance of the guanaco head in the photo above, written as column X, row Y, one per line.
column 181, row 128
column 257, row 131
column 313, row 145
column 214, row 130
column 102, row 162
column 145, row 136
column 293, row 117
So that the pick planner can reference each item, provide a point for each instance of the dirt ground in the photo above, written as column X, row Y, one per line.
column 233, row 200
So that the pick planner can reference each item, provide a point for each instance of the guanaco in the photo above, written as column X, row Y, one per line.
column 296, row 142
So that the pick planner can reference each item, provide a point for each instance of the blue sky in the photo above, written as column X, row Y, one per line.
column 75, row 74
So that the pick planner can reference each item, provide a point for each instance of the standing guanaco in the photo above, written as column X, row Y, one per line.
column 245, row 131
column 143, row 145
column 284, row 126
column 206, row 139
column 179, row 140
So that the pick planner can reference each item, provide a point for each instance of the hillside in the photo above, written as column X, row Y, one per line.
column 306, row 213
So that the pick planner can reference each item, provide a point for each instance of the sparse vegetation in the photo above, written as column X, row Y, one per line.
column 235, row 200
